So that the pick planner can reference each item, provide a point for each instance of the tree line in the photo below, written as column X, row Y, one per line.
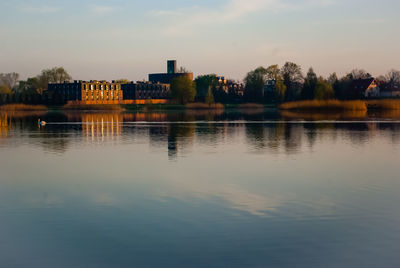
column 274, row 84
column 31, row 90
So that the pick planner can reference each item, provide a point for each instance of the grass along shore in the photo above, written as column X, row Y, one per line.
column 386, row 104
column 325, row 105
column 204, row 106
column 309, row 106
column 22, row 107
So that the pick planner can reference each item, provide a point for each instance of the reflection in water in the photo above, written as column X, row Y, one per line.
column 100, row 127
column 346, row 115
column 4, row 125
column 178, row 131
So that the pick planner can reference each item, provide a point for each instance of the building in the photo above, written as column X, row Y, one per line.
column 166, row 78
column 102, row 92
column 364, row 88
column 92, row 92
column 230, row 87
column 390, row 90
column 140, row 92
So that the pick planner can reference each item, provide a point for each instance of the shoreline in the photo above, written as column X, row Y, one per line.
column 318, row 107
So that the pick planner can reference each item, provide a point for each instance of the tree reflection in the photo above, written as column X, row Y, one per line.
column 177, row 131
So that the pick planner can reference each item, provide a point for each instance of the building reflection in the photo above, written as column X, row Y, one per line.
column 101, row 127
column 5, row 125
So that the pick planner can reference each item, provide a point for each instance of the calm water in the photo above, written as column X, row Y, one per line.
column 199, row 190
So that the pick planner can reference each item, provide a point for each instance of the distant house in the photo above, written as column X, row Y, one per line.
column 230, row 87
column 390, row 90
column 364, row 88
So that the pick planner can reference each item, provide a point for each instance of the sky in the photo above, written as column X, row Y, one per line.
column 112, row 39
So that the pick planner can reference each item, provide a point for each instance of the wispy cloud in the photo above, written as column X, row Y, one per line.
column 40, row 9
column 231, row 10
column 102, row 10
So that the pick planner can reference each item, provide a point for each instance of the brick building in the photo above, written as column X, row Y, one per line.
column 103, row 92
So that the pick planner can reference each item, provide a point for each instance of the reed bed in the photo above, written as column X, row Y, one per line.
column 22, row 107
column 325, row 105
column 204, row 106
column 246, row 106
column 383, row 104
column 93, row 107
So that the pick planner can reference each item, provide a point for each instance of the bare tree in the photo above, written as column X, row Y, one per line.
column 183, row 70
column 56, row 75
column 359, row 74
column 393, row 76
column 9, row 79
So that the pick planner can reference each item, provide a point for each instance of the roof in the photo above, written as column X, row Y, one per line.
column 360, row 85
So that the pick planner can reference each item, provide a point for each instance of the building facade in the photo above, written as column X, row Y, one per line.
column 86, row 92
column 390, row 90
column 142, row 92
column 103, row 92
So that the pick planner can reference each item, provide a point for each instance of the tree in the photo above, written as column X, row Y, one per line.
column 209, row 97
column 254, row 84
column 203, row 84
column 393, row 76
column 122, row 81
column 359, row 74
column 323, row 90
column 9, row 79
column 183, row 89
column 310, row 83
column 292, row 78
column 332, row 79
column 276, row 89
column 272, row 72
column 183, row 70
column 5, row 92
column 53, row 75
column 336, row 84
column 280, row 89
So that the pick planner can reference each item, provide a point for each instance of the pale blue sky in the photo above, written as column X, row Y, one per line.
column 129, row 39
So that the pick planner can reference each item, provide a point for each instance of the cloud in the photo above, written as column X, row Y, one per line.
column 102, row 10
column 40, row 9
column 230, row 11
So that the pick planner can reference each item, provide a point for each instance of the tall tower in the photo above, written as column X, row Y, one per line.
column 171, row 66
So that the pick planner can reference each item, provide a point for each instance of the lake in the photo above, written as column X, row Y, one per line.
column 241, row 189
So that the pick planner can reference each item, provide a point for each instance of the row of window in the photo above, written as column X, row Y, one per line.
column 101, row 97
column 101, row 87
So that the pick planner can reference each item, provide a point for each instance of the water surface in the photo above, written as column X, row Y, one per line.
column 195, row 190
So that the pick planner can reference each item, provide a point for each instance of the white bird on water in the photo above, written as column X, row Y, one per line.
column 41, row 123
